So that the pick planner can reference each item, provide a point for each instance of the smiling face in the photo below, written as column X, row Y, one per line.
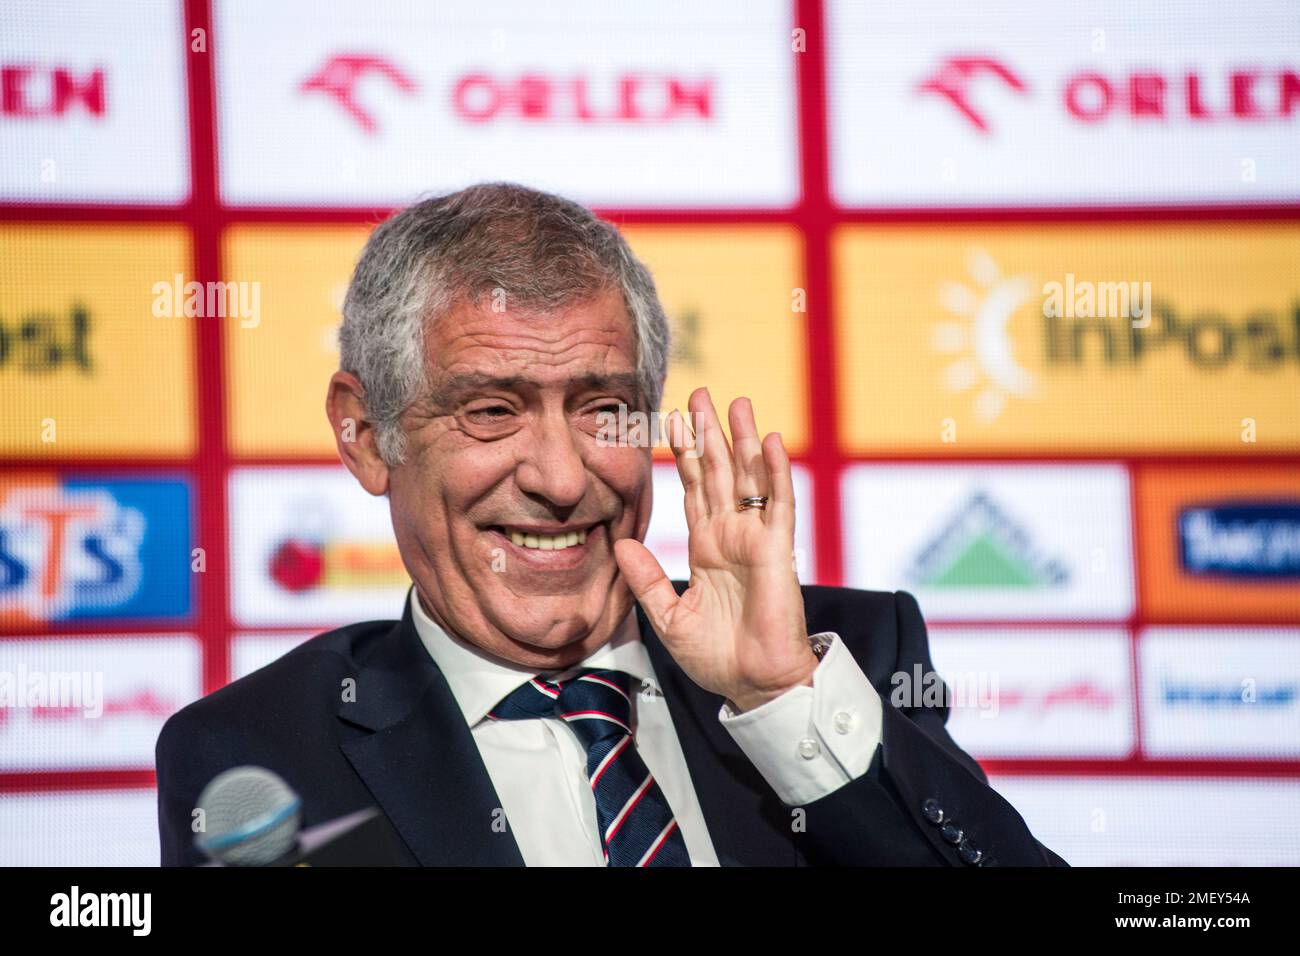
column 507, row 507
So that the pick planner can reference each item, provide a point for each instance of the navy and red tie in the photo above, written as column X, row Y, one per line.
column 637, row 827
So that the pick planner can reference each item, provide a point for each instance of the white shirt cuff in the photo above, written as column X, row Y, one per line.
column 812, row 740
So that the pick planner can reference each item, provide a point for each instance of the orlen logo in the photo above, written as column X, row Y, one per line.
column 623, row 98
column 62, row 548
column 30, row 91
column 480, row 97
column 955, row 77
column 1249, row 94
column 341, row 74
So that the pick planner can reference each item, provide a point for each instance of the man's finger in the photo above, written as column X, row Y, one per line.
column 682, row 443
column 751, row 476
column 715, row 458
column 649, row 585
column 780, row 507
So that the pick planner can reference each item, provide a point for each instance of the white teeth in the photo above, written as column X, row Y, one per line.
column 548, row 542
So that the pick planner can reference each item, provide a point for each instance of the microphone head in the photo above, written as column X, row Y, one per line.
column 251, row 817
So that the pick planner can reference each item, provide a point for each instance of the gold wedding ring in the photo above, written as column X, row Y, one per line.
column 754, row 501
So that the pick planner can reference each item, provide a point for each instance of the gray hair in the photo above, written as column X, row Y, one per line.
column 543, row 250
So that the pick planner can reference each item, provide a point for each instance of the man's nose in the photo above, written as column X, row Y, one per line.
column 551, row 464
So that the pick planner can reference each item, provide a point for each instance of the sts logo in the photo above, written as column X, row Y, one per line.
column 84, row 548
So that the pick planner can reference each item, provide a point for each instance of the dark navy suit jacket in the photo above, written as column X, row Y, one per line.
column 403, row 745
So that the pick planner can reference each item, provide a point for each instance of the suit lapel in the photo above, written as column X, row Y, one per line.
column 747, row 822
column 420, row 761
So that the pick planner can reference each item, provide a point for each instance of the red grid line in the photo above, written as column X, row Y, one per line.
column 212, row 465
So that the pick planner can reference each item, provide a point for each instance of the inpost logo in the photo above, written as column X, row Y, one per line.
column 85, row 369
column 1107, row 324
column 983, row 308
column 43, row 343
column 1033, row 338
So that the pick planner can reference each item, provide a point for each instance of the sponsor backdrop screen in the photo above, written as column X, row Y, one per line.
column 1019, row 283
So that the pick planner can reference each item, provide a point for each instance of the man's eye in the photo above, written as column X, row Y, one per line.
column 491, row 411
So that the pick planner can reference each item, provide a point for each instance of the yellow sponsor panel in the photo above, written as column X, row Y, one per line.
column 733, row 296
column 1140, row 337
column 278, row 369
column 87, row 367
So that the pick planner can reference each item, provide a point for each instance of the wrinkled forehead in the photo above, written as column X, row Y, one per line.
column 584, row 342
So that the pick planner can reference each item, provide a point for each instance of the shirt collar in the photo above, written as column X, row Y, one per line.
column 479, row 680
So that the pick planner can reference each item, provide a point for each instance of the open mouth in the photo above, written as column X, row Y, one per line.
column 546, row 539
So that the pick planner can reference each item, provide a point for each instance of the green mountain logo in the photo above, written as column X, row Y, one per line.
column 982, row 548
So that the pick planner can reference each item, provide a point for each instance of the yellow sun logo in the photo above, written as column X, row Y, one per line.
column 990, row 365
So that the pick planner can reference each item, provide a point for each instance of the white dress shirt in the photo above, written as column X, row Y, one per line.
column 805, row 743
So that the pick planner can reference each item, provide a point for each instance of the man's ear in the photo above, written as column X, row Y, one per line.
column 353, row 434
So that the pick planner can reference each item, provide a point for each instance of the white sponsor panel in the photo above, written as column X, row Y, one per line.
column 80, row 828
column 249, row 652
column 997, row 541
column 335, row 103
column 1147, row 821
column 92, row 702
column 93, row 106
column 943, row 103
column 1211, row 692
column 667, row 536
column 1036, row 693
column 309, row 546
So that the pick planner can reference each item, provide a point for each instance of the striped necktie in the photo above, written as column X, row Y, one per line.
column 637, row 827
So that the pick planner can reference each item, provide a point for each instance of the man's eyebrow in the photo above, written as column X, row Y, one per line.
column 614, row 381
column 468, row 381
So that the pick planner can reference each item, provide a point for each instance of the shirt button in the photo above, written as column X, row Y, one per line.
column 843, row 722
column 809, row 748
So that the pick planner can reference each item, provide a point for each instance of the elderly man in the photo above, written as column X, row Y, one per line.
column 549, row 697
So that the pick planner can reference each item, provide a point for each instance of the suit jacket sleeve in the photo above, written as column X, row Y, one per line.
column 923, row 800
column 182, row 767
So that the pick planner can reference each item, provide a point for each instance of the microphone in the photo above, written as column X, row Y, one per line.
column 253, row 818
column 250, row 817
